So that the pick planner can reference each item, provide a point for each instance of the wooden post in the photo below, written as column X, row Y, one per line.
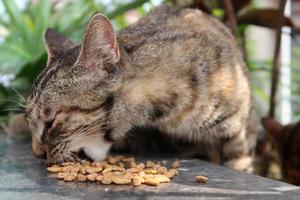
column 275, row 66
column 267, row 146
column 230, row 15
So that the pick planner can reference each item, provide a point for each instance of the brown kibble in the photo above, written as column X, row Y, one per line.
column 201, row 179
column 119, row 180
column 148, row 176
column 142, row 174
column 81, row 178
column 150, row 164
column 132, row 170
column 118, row 173
column 162, row 170
column 152, row 182
column 128, row 160
column 106, row 179
column 67, row 169
column 86, row 163
column 97, row 164
column 68, row 164
column 83, row 170
column 150, row 171
column 175, row 171
column 92, row 176
column 132, row 164
column 112, row 160
column 107, row 168
column 156, row 166
column 54, row 169
column 90, row 170
column 128, row 175
column 171, row 173
column 137, row 180
column 175, row 164
column 120, row 164
column 61, row 175
column 69, row 177
column 75, row 169
column 99, row 178
column 117, row 170
column 140, row 166
column 161, row 178
column 98, row 169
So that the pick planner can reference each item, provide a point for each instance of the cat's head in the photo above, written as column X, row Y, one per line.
column 287, row 141
column 71, row 99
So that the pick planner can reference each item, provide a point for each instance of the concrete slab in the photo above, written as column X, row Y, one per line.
column 22, row 176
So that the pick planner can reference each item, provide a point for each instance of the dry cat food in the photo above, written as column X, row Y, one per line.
column 201, row 179
column 115, row 170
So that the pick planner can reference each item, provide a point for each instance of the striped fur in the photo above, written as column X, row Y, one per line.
column 176, row 70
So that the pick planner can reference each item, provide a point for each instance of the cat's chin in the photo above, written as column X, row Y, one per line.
column 97, row 152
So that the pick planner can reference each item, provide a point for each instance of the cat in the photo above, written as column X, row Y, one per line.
column 286, row 139
column 177, row 70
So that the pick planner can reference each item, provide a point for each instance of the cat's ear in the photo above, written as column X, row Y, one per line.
column 56, row 43
column 99, row 43
column 273, row 127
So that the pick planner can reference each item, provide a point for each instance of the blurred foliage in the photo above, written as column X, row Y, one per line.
column 22, row 51
column 296, row 80
column 21, row 34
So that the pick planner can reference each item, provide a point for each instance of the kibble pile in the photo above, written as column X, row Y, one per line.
column 116, row 170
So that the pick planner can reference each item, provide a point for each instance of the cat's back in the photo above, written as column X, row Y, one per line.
column 170, row 25
column 168, row 33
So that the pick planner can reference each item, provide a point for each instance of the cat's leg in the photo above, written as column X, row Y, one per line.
column 237, row 150
column 213, row 151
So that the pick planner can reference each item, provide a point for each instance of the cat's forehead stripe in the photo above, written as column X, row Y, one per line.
column 40, row 83
column 66, row 59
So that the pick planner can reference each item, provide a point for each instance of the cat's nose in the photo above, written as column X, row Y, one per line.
column 38, row 149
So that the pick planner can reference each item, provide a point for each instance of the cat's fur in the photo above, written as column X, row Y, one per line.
column 287, row 142
column 178, row 70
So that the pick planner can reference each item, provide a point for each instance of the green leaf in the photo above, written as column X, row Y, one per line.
column 42, row 15
column 17, row 21
column 260, row 93
column 122, row 9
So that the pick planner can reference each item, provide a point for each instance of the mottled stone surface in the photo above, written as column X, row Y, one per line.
column 22, row 176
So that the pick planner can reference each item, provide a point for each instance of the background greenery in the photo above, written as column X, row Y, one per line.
column 21, row 38
column 22, row 53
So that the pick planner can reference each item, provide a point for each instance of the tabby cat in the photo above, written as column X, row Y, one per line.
column 287, row 141
column 178, row 70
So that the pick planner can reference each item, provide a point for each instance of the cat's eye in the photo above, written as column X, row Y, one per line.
column 49, row 124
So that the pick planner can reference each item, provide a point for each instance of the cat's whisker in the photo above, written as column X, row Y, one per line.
column 19, row 94
column 79, row 132
column 13, row 109
column 74, row 157
column 83, row 128
column 9, row 100
column 85, row 131
column 83, row 135
column 87, row 123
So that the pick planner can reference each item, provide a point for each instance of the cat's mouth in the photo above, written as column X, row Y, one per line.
column 79, row 156
column 82, row 156
column 85, row 150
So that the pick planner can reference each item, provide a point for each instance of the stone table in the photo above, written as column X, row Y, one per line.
column 22, row 176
